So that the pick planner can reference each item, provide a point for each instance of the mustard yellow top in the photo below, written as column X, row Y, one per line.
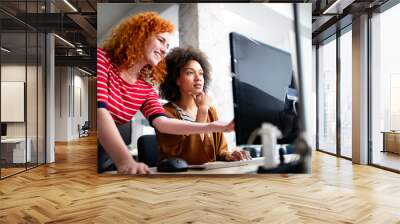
column 190, row 147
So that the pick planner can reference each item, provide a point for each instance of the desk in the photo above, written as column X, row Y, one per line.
column 242, row 169
column 250, row 168
column 391, row 141
column 246, row 169
column 13, row 150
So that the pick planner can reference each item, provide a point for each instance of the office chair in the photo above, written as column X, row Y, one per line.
column 104, row 162
column 84, row 130
column 148, row 150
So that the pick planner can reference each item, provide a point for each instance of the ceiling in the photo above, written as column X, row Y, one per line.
column 331, row 15
column 77, row 24
column 74, row 21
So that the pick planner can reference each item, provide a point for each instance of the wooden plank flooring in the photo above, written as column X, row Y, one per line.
column 387, row 159
column 70, row 191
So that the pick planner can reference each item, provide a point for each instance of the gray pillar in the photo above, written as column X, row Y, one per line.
column 188, row 25
column 50, row 90
column 50, row 122
column 360, row 90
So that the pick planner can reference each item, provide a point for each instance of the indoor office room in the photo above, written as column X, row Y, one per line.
column 47, row 82
column 350, row 78
column 22, row 99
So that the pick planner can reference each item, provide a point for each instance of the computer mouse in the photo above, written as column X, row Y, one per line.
column 172, row 165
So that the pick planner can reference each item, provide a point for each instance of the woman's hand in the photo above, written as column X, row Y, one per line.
column 109, row 137
column 132, row 167
column 202, row 100
column 219, row 126
column 240, row 155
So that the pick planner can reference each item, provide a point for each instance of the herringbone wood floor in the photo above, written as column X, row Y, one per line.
column 70, row 191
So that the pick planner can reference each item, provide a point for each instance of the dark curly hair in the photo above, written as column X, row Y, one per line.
column 175, row 60
column 125, row 44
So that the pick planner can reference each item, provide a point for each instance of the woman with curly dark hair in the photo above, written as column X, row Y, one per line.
column 185, row 87
column 128, row 65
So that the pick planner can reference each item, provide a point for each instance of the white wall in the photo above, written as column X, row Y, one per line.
column 68, row 83
column 33, row 127
column 12, row 73
column 61, row 103
column 80, row 83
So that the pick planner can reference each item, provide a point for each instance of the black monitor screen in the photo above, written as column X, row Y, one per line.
column 262, row 77
column 3, row 129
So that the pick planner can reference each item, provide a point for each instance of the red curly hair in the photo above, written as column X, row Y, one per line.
column 126, row 43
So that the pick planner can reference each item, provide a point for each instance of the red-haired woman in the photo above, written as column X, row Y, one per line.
column 132, row 57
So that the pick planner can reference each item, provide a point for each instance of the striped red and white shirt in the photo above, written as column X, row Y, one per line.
column 123, row 99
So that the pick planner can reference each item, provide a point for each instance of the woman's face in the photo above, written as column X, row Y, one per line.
column 191, row 79
column 156, row 48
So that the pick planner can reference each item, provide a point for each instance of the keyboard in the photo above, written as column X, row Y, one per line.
column 223, row 164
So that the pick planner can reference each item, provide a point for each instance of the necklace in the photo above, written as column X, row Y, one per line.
column 183, row 114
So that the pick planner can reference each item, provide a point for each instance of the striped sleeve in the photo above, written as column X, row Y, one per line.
column 102, row 79
column 151, row 107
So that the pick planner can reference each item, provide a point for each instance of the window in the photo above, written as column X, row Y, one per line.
column 327, row 96
column 22, row 68
column 346, row 93
column 385, row 88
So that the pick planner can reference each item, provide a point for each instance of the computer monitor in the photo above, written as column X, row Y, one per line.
column 3, row 129
column 263, row 89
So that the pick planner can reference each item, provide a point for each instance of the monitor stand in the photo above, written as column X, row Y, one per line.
column 299, row 166
column 292, row 167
